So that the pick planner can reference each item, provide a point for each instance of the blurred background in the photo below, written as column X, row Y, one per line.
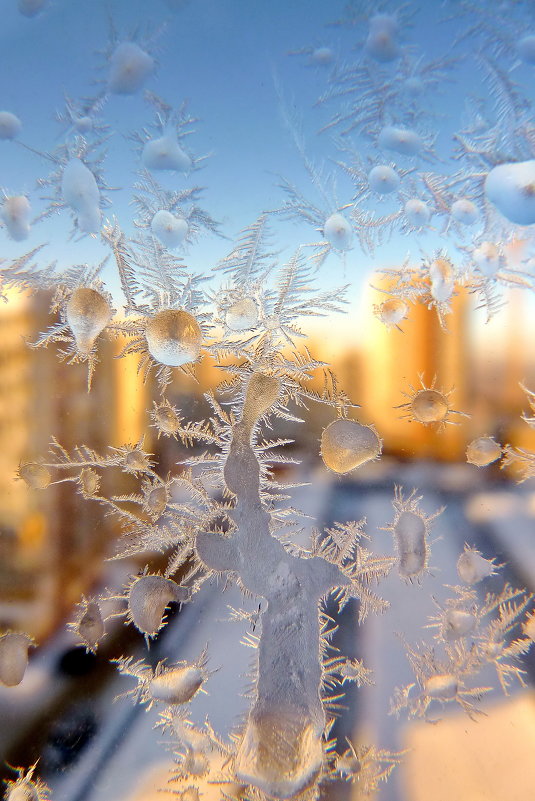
column 54, row 544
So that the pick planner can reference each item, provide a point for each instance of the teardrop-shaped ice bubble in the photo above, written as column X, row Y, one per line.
column 417, row 212
column 526, row 49
column 338, row 232
column 170, row 230
column 88, row 313
column 80, row 191
column 10, row 125
column 148, row 599
column 15, row 213
column 173, row 337
column 400, row 140
column 383, row 179
column 130, row 66
column 511, row 188
column 464, row 211
column 165, row 153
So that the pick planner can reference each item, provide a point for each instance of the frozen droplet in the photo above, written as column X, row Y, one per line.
column 473, row 567
column 511, row 188
column 413, row 85
column 148, row 598
column 165, row 153
column 10, row 125
column 156, row 501
column 337, row 231
column 429, row 406
column 89, row 481
column 36, row 475
column 170, row 230
column 487, row 258
column 242, row 315
column 410, row 533
column 173, row 337
column 458, row 623
column 443, row 686
column 90, row 628
column 322, row 56
column 464, row 211
column 383, row 179
column 177, row 685
column 261, row 393
column 25, row 790
column 392, row 311
column 526, row 49
column 13, row 657
column 381, row 42
column 401, row 140
column 81, row 193
column 130, row 66
column 88, row 313
column 483, row 451
column 166, row 419
column 15, row 213
column 280, row 771
column 442, row 278
column 417, row 212
column 346, row 444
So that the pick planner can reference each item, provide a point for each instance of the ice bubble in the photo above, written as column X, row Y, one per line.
column 392, row 311
column 400, row 140
column 130, row 66
column 381, row 43
column 347, row 444
column 83, row 124
column 382, row 46
column 483, row 451
column 511, row 188
column 414, row 85
column 165, row 153
column 464, row 211
column 10, row 125
column 417, row 212
column 383, row 179
column 173, row 337
column 170, row 230
column 15, row 212
column 13, row 657
column 442, row 279
column 337, row 231
column 526, row 49
column 80, row 191
column 322, row 56
column 242, row 315
column 487, row 258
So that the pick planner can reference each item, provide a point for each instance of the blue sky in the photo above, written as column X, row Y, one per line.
column 221, row 54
